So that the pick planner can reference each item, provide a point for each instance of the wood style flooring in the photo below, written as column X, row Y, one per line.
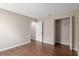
column 36, row 48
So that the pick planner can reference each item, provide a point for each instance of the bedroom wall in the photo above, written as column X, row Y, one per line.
column 48, row 26
column 14, row 29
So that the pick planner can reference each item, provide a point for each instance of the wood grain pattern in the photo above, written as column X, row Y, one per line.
column 36, row 48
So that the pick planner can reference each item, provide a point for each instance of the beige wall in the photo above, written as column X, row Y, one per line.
column 48, row 31
column 14, row 29
column 48, row 27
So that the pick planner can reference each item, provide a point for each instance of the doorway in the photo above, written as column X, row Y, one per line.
column 37, row 31
column 64, row 31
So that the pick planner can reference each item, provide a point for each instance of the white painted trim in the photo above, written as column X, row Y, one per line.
column 48, row 43
column 68, row 45
column 71, row 33
column 14, row 46
column 63, row 43
column 39, row 40
column 77, row 51
column 78, row 54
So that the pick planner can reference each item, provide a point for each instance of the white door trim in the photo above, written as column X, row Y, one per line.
column 71, row 34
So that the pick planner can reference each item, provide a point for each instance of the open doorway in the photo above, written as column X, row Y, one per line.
column 64, row 33
column 33, row 31
column 37, row 31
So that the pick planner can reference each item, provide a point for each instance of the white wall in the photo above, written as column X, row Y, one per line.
column 14, row 29
column 48, row 34
column 48, row 26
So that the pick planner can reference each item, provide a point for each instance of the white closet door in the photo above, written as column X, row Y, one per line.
column 39, row 31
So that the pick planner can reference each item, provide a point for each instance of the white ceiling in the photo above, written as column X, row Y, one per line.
column 37, row 10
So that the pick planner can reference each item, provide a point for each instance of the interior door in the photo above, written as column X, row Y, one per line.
column 39, row 31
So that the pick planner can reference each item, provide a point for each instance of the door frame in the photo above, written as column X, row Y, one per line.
column 71, row 30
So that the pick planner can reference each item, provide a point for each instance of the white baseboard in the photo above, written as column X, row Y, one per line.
column 63, row 43
column 49, row 43
column 75, row 49
column 39, row 40
column 77, row 52
column 14, row 46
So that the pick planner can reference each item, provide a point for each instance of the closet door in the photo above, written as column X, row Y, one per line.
column 39, row 31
